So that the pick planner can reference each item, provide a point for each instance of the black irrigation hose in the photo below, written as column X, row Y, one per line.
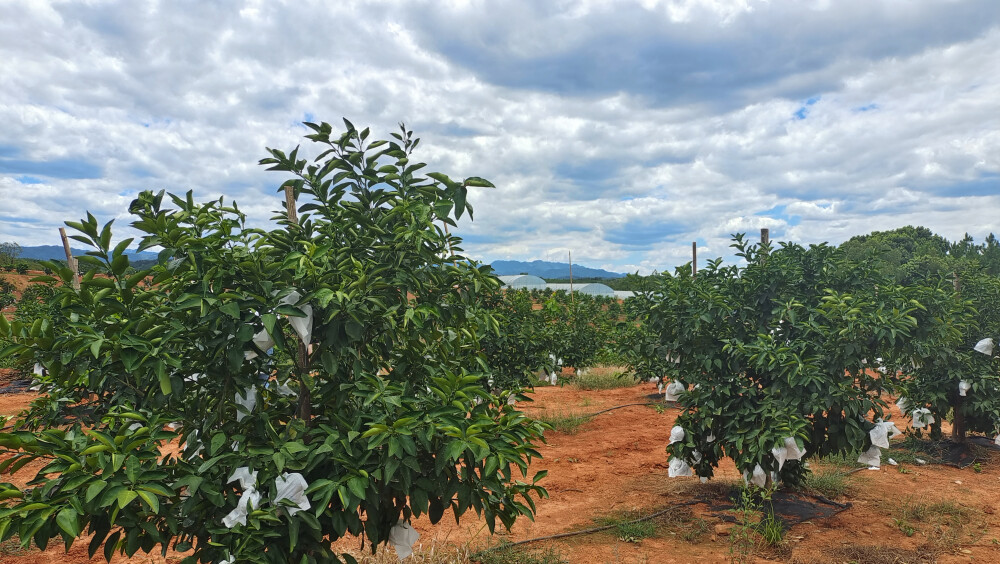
column 588, row 415
column 592, row 530
column 621, row 406
column 822, row 499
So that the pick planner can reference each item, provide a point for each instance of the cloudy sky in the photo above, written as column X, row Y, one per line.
column 620, row 131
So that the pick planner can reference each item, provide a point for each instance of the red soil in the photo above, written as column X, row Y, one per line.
column 616, row 462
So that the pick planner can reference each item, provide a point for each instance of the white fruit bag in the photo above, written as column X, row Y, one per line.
column 871, row 457
column 676, row 434
column 963, row 387
column 292, row 487
column 922, row 417
column 678, row 468
column 402, row 537
column 674, row 390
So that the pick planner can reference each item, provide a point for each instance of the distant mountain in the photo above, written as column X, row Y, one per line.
column 550, row 270
column 56, row 252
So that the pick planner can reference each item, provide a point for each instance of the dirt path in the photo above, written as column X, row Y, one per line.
column 615, row 463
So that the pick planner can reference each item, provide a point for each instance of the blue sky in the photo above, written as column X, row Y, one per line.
column 620, row 131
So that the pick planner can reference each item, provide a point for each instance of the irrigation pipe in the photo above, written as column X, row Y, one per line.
column 621, row 406
column 583, row 415
column 594, row 529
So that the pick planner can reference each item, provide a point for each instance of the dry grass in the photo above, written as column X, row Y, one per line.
column 434, row 553
column 872, row 555
column 561, row 421
column 946, row 525
column 604, row 378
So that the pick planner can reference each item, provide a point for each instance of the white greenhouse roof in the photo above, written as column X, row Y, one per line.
column 592, row 289
column 522, row 281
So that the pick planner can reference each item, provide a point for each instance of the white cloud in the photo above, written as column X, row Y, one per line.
column 619, row 131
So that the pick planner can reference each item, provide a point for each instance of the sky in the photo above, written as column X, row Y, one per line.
column 619, row 131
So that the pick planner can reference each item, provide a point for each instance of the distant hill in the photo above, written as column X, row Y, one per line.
column 546, row 269
column 56, row 252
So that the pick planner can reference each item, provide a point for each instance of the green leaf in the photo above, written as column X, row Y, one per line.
column 218, row 440
column 479, row 182
column 125, row 497
column 232, row 309
column 165, row 386
column 150, row 499
column 68, row 522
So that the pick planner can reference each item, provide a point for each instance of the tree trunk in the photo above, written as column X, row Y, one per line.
column 958, row 422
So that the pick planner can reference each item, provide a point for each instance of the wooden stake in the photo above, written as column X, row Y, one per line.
column 305, row 398
column 765, row 236
column 572, row 300
column 694, row 258
column 958, row 418
column 70, row 259
column 293, row 214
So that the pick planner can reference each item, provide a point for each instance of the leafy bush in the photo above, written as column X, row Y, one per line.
column 781, row 349
column 521, row 346
column 945, row 374
column 7, row 296
column 183, row 428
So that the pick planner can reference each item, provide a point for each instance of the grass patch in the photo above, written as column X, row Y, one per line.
column 757, row 529
column 831, row 482
column 946, row 524
column 911, row 448
column 626, row 529
column 846, row 460
column 604, row 378
column 510, row 554
column 12, row 547
column 877, row 555
column 561, row 421
column 434, row 552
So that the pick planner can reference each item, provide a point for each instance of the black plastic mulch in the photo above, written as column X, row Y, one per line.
column 949, row 452
column 789, row 507
column 16, row 387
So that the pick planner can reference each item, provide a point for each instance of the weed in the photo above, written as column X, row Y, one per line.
column 435, row 552
column 604, row 378
column 742, row 537
column 831, row 482
column 771, row 529
column 946, row 524
column 905, row 527
column 845, row 459
column 626, row 528
column 877, row 555
column 695, row 529
column 756, row 525
column 562, row 422
column 977, row 468
column 12, row 547
column 510, row 554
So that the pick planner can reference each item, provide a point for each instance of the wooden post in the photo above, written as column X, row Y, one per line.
column 293, row 213
column 305, row 398
column 765, row 236
column 572, row 300
column 694, row 259
column 70, row 259
column 958, row 420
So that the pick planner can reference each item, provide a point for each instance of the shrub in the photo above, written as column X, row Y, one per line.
column 312, row 381
column 775, row 357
